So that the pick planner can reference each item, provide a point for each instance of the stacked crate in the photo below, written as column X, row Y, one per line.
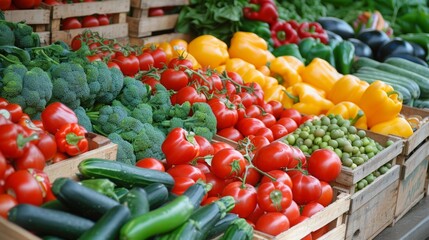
column 118, row 9
column 144, row 28
column 39, row 19
column 414, row 164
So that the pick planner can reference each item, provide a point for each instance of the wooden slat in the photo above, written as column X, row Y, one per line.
column 338, row 233
column 145, row 4
column 45, row 38
column 30, row 16
column 410, row 163
column 10, row 231
column 138, row 26
column 420, row 134
column 109, row 31
column 89, row 8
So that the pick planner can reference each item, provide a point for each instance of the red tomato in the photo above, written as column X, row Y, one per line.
column 267, row 108
column 103, row 19
column 327, row 194
column 259, row 142
column 235, row 77
column 203, row 166
column 151, row 163
column 245, row 198
column 129, row 65
column 302, row 219
column 292, row 213
column 181, row 184
column 209, row 200
column 24, row 187
column 190, row 94
column 252, row 177
column 217, row 146
column 253, row 111
column 256, row 214
column 111, row 64
column 59, row 156
column 247, row 99
column 305, row 189
column 324, row 164
column 274, row 196
column 180, row 63
column 6, row 203
column 306, row 118
column 298, row 158
column 174, row 79
column 205, row 146
column 288, row 123
column 159, row 56
column 26, row 4
column 249, row 126
column 267, row 118
column 9, row 170
column 224, row 111
column 272, row 223
column 311, row 208
column 3, row 166
column 278, row 131
column 47, row 145
column 184, row 176
column 93, row 58
column 228, row 163
column 279, row 176
column 71, row 23
column 90, row 21
column 230, row 133
column 291, row 113
column 266, row 132
column 277, row 108
column 5, row 4
column 274, row 156
column 145, row 61
column 153, row 12
column 209, row 79
column 218, row 184
column 15, row 111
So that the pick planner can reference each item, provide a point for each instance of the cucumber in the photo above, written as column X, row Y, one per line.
column 238, row 229
column 197, row 192
column 55, row 205
column 121, row 192
column 421, row 103
column 109, row 225
column 412, row 86
column 122, row 174
column 43, row 221
column 408, row 65
column 136, row 200
column 157, row 195
column 221, row 225
column 423, row 82
column 405, row 94
column 82, row 200
column 364, row 62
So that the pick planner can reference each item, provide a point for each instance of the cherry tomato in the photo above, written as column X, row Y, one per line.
column 324, row 164
column 129, row 65
column 145, row 61
column 230, row 133
column 174, row 79
column 274, row 196
column 327, row 194
column 244, row 196
column 292, row 213
column 150, row 163
column 228, row 163
column 249, row 126
column 288, row 123
column 272, row 223
column 305, row 188
column 6, row 203
column 180, row 63
column 71, row 23
column 291, row 113
column 235, row 77
column 279, row 176
column 24, row 187
column 278, row 131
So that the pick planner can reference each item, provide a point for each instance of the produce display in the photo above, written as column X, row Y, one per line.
column 268, row 116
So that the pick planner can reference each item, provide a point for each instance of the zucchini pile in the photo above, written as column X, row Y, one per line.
column 411, row 80
column 140, row 207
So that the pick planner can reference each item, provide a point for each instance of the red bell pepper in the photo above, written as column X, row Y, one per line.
column 261, row 10
column 32, row 158
column 14, row 140
column 313, row 30
column 55, row 115
column 180, row 147
column 71, row 139
column 282, row 33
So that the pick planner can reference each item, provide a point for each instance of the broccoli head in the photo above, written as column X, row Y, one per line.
column 70, row 85
column 161, row 103
column 148, row 142
column 30, row 89
column 134, row 92
column 24, row 36
column 83, row 118
column 143, row 112
column 125, row 149
column 111, row 90
column 109, row 119
column 181, row 111
column 129, row 128
column 6, row 35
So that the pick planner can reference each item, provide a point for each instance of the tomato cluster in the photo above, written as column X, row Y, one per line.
column 19, row 4
column 27, row 145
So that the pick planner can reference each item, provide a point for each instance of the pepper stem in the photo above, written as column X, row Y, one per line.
column 73, row 139
column 295, row 99
column 356, row 118
column 21, row 141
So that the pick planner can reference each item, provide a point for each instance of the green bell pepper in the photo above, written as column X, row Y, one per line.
column 312, row 48
column 262, row 29
column 288, row 50
column 344, row 53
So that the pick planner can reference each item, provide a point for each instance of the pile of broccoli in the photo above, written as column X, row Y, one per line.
column 18, row 34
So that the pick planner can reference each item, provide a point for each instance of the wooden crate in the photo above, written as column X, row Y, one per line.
column 334, row 214
column 349, row 177
column 99, row 147
column 421, row 134
column 118, row 9
column 141, row 25
column 371, row 209
column 10, row 231
column 140, row 41
column 39, row 19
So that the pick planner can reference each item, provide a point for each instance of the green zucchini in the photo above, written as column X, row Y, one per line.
column 121, row 192
column 238, row 229
column 55, row 205
column 109, row 225
column 221, row 225
column 82, row 200
column 423, row 82
column 364, row 62
column 197, row 192
column 122, row 174
column 202, row 220
column 136, row 200
column 421, row 103
column 412, row 86
column 408, row 65
column 43, row 221
column 161, row 220
column 157, row 195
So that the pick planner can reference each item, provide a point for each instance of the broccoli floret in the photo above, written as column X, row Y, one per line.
column 134, row 92
column 70, row 84
column 83, row 119
column 24, row 36
column 180, row 111
column 125, row 149
column 109, row 119
column 30, row 89
column 129, row 128
column 143, row 112
column 6, row 35
column 113, row 88
column 160, row 103
column 148, row 142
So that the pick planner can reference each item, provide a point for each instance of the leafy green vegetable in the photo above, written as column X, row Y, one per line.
column 301, row 10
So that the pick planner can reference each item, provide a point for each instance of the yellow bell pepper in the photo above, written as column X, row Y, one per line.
column 264, row 70
column 249, row 47
column 187, row 55
column 397, row 126
column 246, row 70
column 178, row 43
column 320, row 74
column 380, row 102
column 220, row 68
column 348, row 88
column 286, row 70
column 350, row 111
column 168, row 49
column 209, row 51
column 307, row 100
column 272, row 90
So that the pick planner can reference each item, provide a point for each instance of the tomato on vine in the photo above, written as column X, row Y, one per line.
column 272, row 223
column 244, row 195
column 228, row 163
column 274, row 196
